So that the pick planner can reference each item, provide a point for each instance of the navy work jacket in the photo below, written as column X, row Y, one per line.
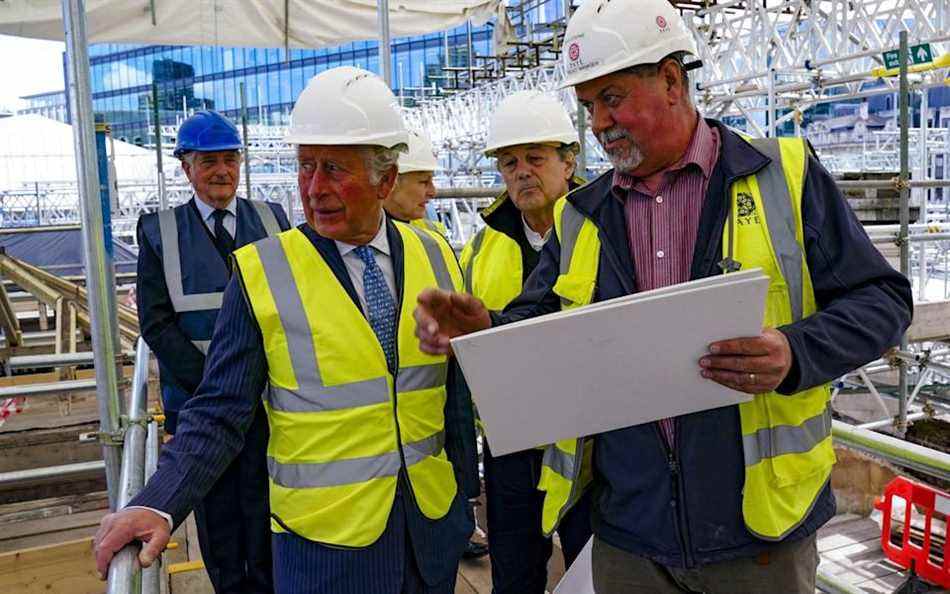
column 203, row 270
column 682, row 506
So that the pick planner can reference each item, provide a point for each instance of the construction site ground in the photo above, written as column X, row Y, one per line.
column 46, row 543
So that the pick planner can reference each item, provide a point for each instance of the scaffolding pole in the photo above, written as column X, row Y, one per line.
column 124, row 574
column 385, row 47
column 247, row 145
column 922, row 173
column 162, row 195
column 581, row 114
column 101, row 294
column 904, row 177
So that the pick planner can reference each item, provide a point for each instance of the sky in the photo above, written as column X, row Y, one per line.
column 28, row 66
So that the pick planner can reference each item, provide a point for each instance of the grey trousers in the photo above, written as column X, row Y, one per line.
column 789, row 569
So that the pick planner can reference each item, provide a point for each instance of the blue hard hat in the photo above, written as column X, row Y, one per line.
column 207, row 131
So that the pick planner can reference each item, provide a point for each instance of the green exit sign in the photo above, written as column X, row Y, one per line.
column 919, row 54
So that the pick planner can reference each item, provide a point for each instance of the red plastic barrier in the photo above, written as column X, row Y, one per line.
column 909, row 555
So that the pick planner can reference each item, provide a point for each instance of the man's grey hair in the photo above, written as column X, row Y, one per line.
column 568, row 154
column 379, row 161
column 648, row 70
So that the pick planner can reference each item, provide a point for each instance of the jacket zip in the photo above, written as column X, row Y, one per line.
column 673, row 465
column 672, row 461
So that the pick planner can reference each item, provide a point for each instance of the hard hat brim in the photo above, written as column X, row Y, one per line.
column 491, row 150
column 414, row 167
column 390, row 141
column 210, row 149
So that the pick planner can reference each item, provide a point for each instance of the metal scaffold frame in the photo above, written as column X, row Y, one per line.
column 778, row 56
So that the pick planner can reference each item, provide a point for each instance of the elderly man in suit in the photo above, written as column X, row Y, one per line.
column 371, row 452
column 183, row 268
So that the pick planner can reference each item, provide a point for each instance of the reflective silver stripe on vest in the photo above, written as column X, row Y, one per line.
column 780, row 219
column 267, row 217
column 421, row 377
column 312, row 395
column 325, row 398
column 559, row 461
column 353, row 470
column 436, row 259
column 770, row 442
column 171, row 263
column 571, row 223
column 202, row 345
column 171, row 260
column 469, row 271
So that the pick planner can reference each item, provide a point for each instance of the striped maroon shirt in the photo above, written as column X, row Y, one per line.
column 663, row 217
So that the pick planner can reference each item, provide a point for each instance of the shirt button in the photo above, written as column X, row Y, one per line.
column 659, row 254
column 659, row 199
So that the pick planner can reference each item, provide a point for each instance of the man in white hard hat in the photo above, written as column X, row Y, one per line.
column 371, row 450
column 414, row 186
column 726, row 500
column 534, row 142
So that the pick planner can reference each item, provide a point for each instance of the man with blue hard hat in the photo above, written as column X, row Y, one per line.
column 183, row 268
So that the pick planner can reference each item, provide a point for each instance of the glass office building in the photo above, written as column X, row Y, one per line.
column 196, row 77
column 51, row 105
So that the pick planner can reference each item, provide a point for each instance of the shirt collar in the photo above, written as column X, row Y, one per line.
column 207, row 210
column 535, row 239
column 702, row 152
column 380, row 242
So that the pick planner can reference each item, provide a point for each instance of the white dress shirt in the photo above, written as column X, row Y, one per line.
column 355, row 266
column 535, row 239
column 207, row 215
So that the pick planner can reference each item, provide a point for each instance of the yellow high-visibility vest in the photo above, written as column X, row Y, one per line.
column 786, row 440
column 430, row 225
column 342, row 424
column 491, row 261
column 492, row 267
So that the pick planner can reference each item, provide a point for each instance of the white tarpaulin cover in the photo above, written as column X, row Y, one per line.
column 248, row 23
column 35, row 149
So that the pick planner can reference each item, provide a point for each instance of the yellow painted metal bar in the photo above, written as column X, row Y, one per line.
column 938, row 63
column 185, row 566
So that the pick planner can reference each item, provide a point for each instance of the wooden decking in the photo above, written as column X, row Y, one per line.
column 850, row 549
column 45, row 544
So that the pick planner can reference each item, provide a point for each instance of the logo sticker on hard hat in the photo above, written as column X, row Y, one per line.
column 574, row 51
column 661, row 23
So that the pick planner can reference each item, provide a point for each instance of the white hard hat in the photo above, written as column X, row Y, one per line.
column 605, row 36
column 420, row 157
column 348, row 106
column 529, row 117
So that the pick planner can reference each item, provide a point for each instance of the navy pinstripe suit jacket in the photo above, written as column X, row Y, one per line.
column 211, row 426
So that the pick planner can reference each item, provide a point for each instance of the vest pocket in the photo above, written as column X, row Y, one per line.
column 575, row 289
column 778, row 310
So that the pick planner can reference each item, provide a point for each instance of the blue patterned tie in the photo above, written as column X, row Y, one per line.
column 379, row 302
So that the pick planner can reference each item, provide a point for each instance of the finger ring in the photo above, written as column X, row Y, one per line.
column 751, row 378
